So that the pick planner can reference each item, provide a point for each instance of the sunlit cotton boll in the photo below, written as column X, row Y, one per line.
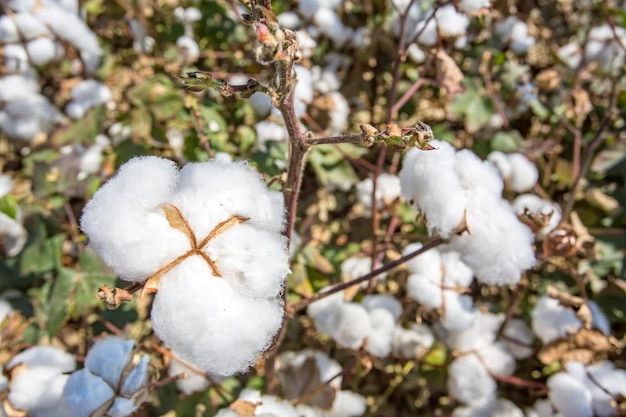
column 37, row 387
column 192, row 382
column 218, row 311
column 519, row 172
column 387, row 191
column 331, row 25
column 28, row 116
column 548, row 213
column 348, row 404
column 188, row 49
column 263, row 406
column 85, row 95
column 412, row 343
column 605, row 47
column 500, row 407
column 515, row 32
column 451, row 22
column 261, row 103
column 267, row 130
column 471, row 6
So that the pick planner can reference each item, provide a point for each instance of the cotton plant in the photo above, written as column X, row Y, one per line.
column 387, row 191
column 518, row 172
column 207, row 239
column 37, row 377
column 309, row 372
column 481, row 225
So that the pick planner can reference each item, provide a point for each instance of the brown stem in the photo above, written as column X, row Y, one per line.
column 355, row 138
column 300, row 305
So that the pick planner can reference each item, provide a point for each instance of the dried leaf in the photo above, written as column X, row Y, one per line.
column 302, row 385
column 244, row 408
column 176, row 220
column 151, row 285
column 449, row 75
column 113, row 297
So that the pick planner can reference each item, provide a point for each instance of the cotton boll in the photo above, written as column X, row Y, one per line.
column 290, row 20
column 421, row 288
column 304, row 88
column 306, row 44
column 427, row 263
column 331, row 25
column 471, row 6
column 378, row 342
column 13, row 236
column 500, row 407
column 350, row 325
column 30, row 27
column 355, row 266
column 108, row 358
column 416, row 54
column 261, row 103
column 424, row 174
column 480, row 335
column 459, row 312
column 188, row 48
column 269, row 131
column 6, row 310
column 598, row 318
column 41, row 50
column 192, row 381
column 429, row 35
column 17, row 86
column 322, row 311
column 502, row 162
column 551, row 321
column 8, row 30
column 497, row 359
column 607, row 379
column 37, row 389
column 450, row 22
column 457, row 273
column 339, row 115
column 85, row 393
column 569, row 395
column 548, row 212
column 387, row 191
column 412, row 343
column 469, row 382
column 570, row 54
column 515, row 32
column 215, row 328
column 123, row 407
column 15, row 58
column 476, row 175
column 44, row 356
column 518, row 339
column 348, row 404
column 603, row 47
column 307, row 8
column 384, row 301
column 136, row 378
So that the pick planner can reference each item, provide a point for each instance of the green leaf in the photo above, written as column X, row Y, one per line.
column 93, row 274
column 59, row 300
column 82, row 130
column 8, row 205
column 41, row 254
column 509, row 141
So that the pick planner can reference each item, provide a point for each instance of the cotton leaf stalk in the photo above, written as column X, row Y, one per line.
column 207, row 238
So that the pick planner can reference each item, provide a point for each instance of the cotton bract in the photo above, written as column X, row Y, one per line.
column 210, row 236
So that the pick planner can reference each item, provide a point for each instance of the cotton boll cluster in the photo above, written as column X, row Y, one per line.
column 552, row 321
column 85, row 95
column 518, row 172
column 470, row 376
column 437, row 280
column 583, row 391
column 387, row 191
column 13, row 235
column 367, row 325
column 457, row 191
column 303, row 372
column 515, row 32
column 232, row 289
column 112, row 382
column 37, row 377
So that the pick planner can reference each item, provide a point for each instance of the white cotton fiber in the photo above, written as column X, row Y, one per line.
column 209, row 324
column 426, row 263
column 108, row 358
column 451, row 22
column 569, row 395
column 30, row 27
column 481, row 334
column 122, row 407
column 267, row 130
column 136, row 378
column 322, row 311
column 459, row 312
column 469, row 382
column 350, row 325
column 545, row 211
column 37, row 389
column 348, row 404
column 471, row 6
column 384, row 301
column 85, row 392
column 551, row 321
column 378, row 341
column 261, row 103
column 8, row 30
column 524, row 173
column 518, row 338
column 193, row 382
column 44, row 356
column 41, row 50
column 412, row 343
column 387, row 191
column 424, row 175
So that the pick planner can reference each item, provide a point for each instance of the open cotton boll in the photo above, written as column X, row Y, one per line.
column 306, row 44
column 384, row 301
column 551, row 321
column 569, row 395
column 267, row 130
column 208, row 324
column 350, row 325
column 459, row 312
column 15, row 58
column 290, row 20
column 348, row 404
column 327, row 367
column 16, row 86
column 261, row 103
column 37, row 389
column 41, row 50
column 500, row 407
column 6, row 310
column 8, row 30
column 6, row 184
column 331, row 25
column 321, row 311
column 416, row 54
column 497, row 359
column 515, row 32
column 192, row 382
column 471, row 6
column 188, row 48
column 356, row 266
column 387, row 191
column 524, row 173
column 411, row 343
column 457, row 273
column 426, row 290
column 339, row 114
column 481, row 334
column 604, row 46
column 450, row 22
column 423, row 176
column 44, row 356
column 85, row 393
column 427, row 263
column 304, row 88
column 546, row 211
column 266, row 406
column 13, row 236
column 476, row 175
column 609, row 384
column 30, row 27
column 469, row 382
column 502, row 162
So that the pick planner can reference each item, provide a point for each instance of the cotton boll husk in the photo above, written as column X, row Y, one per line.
column 208, row 324
column 459, row 311
column 423, row 176
column 450, row 22
column 348, row 404
column 524, row 173
column 411, row 343
column 85, row 392
column 469, row 382
column 123, row 407
column 551, row 321
column 385, row 301
column 108, row 358
column 41, row 50
column 234, row 189
column 516, row 330
column 499, row 247
column 569, row 395
column 378, row 342
column 125, row 223
column 44, row 356
column 37, row 388
column 30, row 27
column 261, row 103
column 539, row 207
column 350, row 325
column 12, row 235
column 254, row 262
